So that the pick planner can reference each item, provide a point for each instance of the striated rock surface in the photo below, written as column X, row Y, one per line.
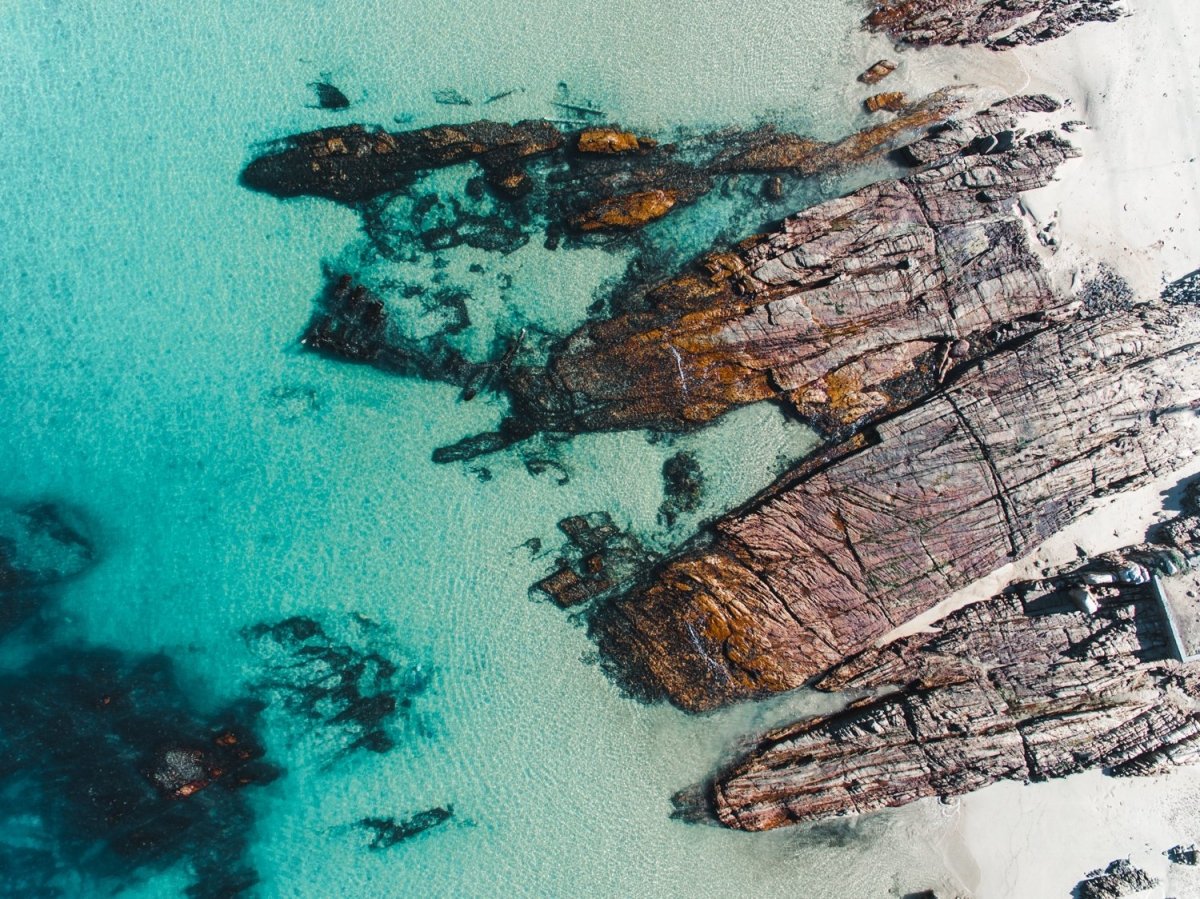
column 1024, row 687
column 828, row 308
column 1119, row 879
column 885, row 526
column 998, row 24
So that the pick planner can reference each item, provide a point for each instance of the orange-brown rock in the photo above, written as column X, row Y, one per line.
column 892, row 101
column 832, row 559
column 877, row 72
column 1023, row 686
column 627, row 211
column 822, row 313
column 354, row 163
column 611, row 140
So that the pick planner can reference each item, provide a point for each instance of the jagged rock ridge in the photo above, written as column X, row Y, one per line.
column 830, row 311
column 1023, row 686
column 826, row 563
column 998, row 24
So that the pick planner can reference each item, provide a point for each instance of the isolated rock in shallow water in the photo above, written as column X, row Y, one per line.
column 877, row 72
column 883, row 527
column 328, row 96
column 388, row 831
column 998, row 24
column 683, row 487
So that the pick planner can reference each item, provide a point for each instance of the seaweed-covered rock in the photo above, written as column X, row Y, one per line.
column 349, row 685
column 125, row 773
column 354, row 163
column 388, row 832
column 683, row 487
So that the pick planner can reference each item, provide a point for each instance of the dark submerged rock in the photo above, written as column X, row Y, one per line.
column 388, row 832
column 683, row 487
column 355, row 690
column 40, row 544
column 125, row 773
column 328, row 96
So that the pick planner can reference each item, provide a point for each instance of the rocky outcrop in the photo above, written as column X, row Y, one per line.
column 355, row 163
column 828, row 309
column 998, row 24
column 844, row 550
column 603, row 179
column 597, row 558
column 1024, row 686
column 1119, row 879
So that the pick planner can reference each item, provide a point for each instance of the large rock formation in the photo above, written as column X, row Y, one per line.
column 355, row 163
column 1024, row 687
column 836, row 556
column 843, row 312
column 998, row 24
column 602, row 179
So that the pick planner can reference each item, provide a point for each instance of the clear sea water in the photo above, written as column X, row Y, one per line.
column 150, row 376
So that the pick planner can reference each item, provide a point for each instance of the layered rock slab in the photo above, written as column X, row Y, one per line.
column 937, row 497
column 827, row 309
column 998, row 24
column 1024, row 686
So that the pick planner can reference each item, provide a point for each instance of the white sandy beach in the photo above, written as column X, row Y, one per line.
column 1132, row 202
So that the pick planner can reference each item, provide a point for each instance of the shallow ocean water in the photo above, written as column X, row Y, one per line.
column 150, row 377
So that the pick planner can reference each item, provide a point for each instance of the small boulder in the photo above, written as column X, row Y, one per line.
column 612, row 140
column 892, row 101
column 626, row 212
column 877, row 72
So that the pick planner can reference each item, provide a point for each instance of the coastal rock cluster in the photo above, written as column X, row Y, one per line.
column 998, row 24
column 832, row 309
column 1025, row 686
column 899, row 517
column 598, row 179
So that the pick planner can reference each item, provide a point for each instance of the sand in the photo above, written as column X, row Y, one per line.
column 1131, row 202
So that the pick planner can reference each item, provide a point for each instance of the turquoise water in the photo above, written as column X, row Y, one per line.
column 150, row 377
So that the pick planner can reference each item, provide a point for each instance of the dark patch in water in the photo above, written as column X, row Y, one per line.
column 112, row 771
column 388, row 832
column 347, row 686
column 39, row 544
column 683, row 487
column 328, row 96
